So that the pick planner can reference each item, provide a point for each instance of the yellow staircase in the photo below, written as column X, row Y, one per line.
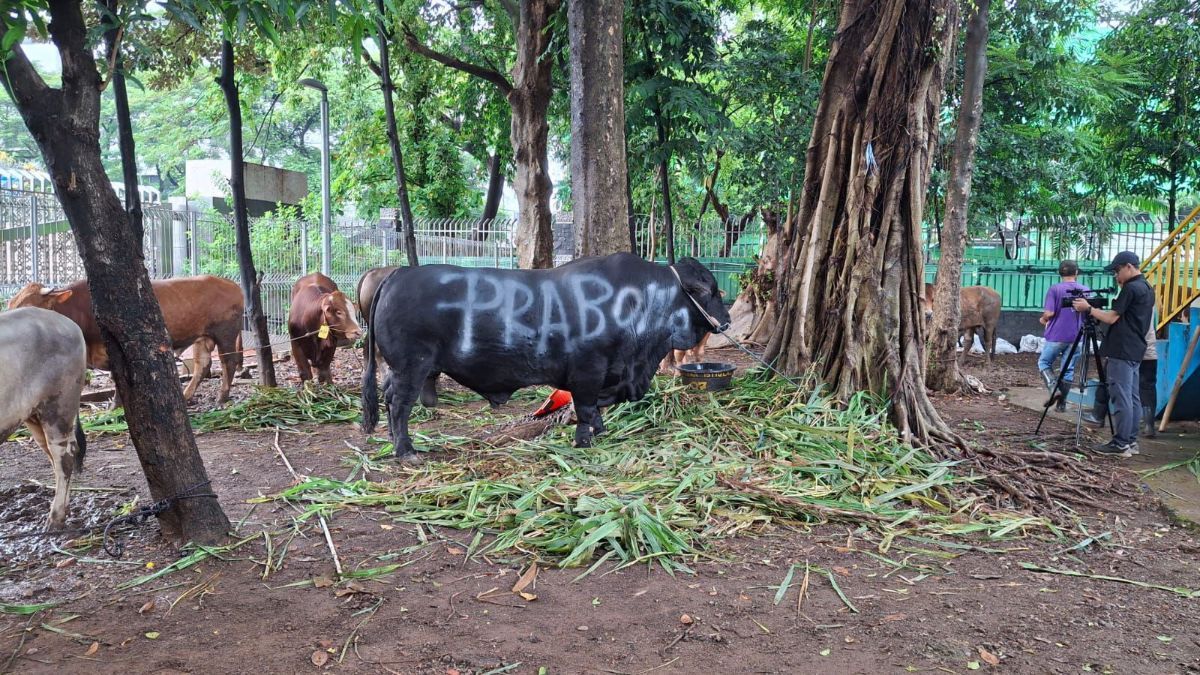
column 1173, row 269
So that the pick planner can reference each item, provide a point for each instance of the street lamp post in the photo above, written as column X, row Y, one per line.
column 326, row 246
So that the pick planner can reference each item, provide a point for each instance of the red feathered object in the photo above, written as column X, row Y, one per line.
column 558, row 399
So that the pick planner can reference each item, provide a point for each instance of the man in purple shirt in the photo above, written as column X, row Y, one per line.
column 1062, row 325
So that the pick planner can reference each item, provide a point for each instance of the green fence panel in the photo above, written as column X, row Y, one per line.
column 1022, row 286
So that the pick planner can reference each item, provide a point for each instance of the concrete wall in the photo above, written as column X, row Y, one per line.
column 207, row 181
column 1016, row 324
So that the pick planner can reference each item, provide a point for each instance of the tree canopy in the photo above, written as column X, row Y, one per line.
column 1089, row 110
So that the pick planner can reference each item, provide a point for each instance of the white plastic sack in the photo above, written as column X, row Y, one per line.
column 1032, row 343
column 976, row 348
column 1004, row 346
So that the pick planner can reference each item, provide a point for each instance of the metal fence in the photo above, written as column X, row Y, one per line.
column 1019, row 259
column 1044, row 239
column 38, row 246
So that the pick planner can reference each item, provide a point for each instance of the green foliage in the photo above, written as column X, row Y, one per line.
column 1152, row 135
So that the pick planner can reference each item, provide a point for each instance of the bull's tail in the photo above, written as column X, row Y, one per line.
column 80, row 444
column 370, row 392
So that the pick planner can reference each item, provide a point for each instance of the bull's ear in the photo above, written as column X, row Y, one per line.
column 60, row 297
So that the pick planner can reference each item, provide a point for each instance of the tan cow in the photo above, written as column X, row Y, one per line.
column 980, row 307
column 44, row 355
column 202, row 310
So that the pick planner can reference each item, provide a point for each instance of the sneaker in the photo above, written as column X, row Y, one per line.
column 1090, row 417
column 1132, row 449
column 1114, row 449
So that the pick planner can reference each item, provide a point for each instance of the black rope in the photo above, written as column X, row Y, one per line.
column 136, row 518
column 117, row 548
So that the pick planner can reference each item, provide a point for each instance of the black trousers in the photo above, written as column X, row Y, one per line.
column 1147, row 388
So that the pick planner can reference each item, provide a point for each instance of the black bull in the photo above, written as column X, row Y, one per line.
column 597, row 327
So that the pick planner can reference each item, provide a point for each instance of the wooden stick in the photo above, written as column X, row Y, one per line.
column 1187, row 359
column 337, row 563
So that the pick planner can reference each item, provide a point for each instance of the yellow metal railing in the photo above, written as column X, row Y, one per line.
column 1173, row 269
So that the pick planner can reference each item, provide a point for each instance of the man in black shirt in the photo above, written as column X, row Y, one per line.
column 1128, row 321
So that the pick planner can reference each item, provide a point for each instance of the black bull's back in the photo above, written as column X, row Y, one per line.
column 597, row 327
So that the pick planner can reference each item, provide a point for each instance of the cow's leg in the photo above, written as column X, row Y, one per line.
column 230, row 357
column 402, row 390
column 34, row 424
column 429, row 397
column 301, row 361
column 201, row 366
column 324, row 363
column 62, row 449
column 59, row 445
column 990, row 337
column 598, row 423
column 587, row 412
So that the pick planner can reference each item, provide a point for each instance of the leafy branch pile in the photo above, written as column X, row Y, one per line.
column 676, row 471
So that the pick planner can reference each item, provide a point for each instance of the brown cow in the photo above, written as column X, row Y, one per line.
column 678, row 357
column 980, row 307
column 368, row 283
column 320, row 314
column 202, row 310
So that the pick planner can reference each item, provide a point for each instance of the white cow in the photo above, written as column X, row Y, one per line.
column 42, row 361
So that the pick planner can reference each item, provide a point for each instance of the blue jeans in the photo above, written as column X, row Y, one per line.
column 1050, row 353
column 1124, row 399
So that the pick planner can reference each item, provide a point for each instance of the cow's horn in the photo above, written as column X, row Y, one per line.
column 46, row 290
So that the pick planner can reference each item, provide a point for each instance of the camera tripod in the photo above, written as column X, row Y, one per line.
column 1090, row 341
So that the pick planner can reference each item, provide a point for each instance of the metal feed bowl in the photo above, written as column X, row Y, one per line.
column 708, row 376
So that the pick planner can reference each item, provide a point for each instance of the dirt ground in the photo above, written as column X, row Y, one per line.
column 921, row 606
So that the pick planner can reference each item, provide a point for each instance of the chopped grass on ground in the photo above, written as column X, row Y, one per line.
column 283, row 408
column 676, row 471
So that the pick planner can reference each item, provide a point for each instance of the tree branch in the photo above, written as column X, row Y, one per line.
column 487, row 74
column 372, row 64
column 24, row 84
column 513, row 11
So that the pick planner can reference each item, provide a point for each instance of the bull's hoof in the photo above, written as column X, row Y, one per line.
column 410, row 459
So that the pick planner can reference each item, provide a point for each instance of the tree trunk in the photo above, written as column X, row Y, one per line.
column 251, row 289
column 943, row 372
column 129, row 173
column 389, row 111
column 495, row 188
column 598, row 177
column 734, row 232
column 65, row 123
column 814, row 7
column 851, row 267
column 530, row 100
column 634, row 244
column 664, row 175
column 1173, row 196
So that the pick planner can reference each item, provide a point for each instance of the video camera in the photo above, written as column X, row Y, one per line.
column 1096, row 298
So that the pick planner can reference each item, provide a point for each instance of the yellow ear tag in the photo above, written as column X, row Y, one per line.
column 323, row 331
